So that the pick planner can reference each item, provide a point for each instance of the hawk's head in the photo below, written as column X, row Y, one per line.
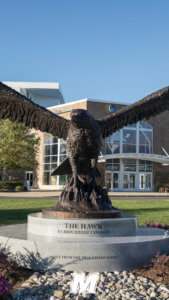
column 79, row 116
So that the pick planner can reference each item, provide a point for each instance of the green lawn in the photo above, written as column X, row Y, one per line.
column 15, row 211
column 157, row 211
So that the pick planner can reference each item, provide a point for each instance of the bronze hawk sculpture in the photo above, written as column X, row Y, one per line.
column 83, row 135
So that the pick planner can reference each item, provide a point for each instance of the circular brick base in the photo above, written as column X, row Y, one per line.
column 51, row 213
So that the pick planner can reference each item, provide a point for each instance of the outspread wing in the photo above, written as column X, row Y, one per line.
column 16, row 107
column 145, row 108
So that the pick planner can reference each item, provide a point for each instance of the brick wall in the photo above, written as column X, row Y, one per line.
column 100, row 109
column 66, row 115
column 38, row 174
column 160, row 125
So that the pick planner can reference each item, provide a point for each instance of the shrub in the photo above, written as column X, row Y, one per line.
column 10, row 269
column 19, row 188
column 161, row 179
column 161, row 265
column 7, row 259
column 7, row 266
column 5, row 286
column 10, row 185
column 156, row 225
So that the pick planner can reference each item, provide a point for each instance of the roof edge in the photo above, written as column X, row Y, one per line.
column 90, row 100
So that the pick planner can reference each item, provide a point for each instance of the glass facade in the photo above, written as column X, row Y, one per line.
column 136, row 138
column 121, row 173
column 129, row 165
column 128, row 173
column 113, row 164
column 54, row 153
column 113, row 143
column 129, row 140
column 145, row 166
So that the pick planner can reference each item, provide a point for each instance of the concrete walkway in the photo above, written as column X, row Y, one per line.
column 35, row 194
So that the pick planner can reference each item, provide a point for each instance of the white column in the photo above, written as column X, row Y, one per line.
column 137, row 175
column 121, row 175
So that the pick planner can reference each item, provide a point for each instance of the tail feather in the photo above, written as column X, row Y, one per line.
column 65, row 168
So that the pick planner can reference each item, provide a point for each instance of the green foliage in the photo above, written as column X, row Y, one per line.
column 19, row 188
column 18, row 148
column 11, row 185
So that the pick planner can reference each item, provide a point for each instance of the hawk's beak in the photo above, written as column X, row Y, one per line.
column 74, row 118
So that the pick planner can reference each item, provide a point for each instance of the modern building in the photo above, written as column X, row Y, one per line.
column 132, row 159
column 43, row 93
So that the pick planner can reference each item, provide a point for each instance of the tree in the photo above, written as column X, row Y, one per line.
column 18, row 147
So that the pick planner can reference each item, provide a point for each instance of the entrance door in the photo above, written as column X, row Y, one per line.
column 108, row 181
column 112, row 180
column 115, row 180
column 145, row 181
column 29, row 179
column 129, row 181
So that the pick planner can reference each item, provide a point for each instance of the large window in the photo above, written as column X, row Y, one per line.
column 54, row 153
column 129, row 140
column 129, row 174
column 145, row 166
column 113, row 164
column 129, row 165
column 135, row 138
column 145, row 138
column 113, row 143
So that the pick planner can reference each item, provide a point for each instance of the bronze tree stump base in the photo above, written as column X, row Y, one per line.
column 54, row 214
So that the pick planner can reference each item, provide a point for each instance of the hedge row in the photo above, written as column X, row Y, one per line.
column 11, row 185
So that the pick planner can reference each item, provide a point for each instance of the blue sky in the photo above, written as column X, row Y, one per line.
column 101, row 49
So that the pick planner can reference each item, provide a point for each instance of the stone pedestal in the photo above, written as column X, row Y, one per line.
column 84, row 244
column 40, row 228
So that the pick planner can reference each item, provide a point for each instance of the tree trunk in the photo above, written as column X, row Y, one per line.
column 4, row 174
